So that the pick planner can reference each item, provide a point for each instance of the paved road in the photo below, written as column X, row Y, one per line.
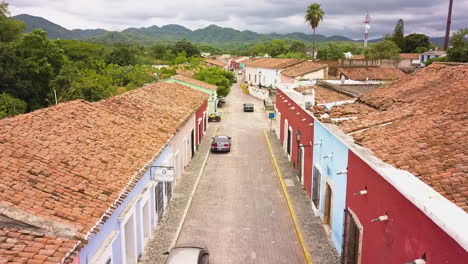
column 238, row 210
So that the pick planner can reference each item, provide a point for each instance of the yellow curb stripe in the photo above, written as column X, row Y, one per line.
column 307, row 255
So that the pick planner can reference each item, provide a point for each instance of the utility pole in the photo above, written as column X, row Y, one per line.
column 449, row 21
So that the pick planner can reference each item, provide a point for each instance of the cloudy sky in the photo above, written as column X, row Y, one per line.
column 342, row 17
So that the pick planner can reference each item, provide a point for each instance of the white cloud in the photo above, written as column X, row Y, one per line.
column 342, row 17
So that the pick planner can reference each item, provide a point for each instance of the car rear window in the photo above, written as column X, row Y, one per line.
column 221, row 139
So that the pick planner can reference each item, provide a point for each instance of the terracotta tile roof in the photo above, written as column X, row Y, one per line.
column 372, row 73
column 409, row 56
column 419, row 124
column 195, row 82
column 216, row 62
column 303, row 68
column 74, row 163
column 21, row 246
column 324, row 95
column 358, row 57
column 272, row 63
column 186, row 73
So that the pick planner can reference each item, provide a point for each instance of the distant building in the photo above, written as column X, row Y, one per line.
column 204, row 87
column 423, row 57
column 216, row 63
column 266, row 71
column 304, row 71
column 372, row 74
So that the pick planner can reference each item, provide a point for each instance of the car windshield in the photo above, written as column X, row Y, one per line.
column 183, row 256
column 249, row 105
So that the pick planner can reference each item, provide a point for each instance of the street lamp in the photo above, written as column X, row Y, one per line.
column 260, row 79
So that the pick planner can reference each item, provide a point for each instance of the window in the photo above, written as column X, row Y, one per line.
column 317, row 177
column 249, row 77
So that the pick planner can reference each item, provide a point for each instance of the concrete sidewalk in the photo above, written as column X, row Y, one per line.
column 316, row 239
column 166, row 230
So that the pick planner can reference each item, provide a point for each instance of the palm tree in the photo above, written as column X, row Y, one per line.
column 314, row 15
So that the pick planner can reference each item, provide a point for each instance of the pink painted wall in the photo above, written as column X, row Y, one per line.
column 295, row 122
column 286, row 80
column 408, row 233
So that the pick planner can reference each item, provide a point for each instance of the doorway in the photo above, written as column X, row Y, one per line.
column 130, row 241
column 289, row 145
column 316, row 181
column 159, row 200
column 352, row 239
column 193, row 143
column 327, row 210
column 300, row 164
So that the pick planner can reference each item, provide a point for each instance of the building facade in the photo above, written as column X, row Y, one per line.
column 207, row 88
column 373, row 211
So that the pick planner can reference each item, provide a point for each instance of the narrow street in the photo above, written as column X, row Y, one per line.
column 238, row 210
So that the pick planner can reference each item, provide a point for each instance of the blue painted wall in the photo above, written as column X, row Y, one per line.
column 113, row 224
column 329, row 168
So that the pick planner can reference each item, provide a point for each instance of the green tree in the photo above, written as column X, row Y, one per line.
column 259, row 49
column 139, row 75
column 297, row 46
column 293, row 55
column 184, row 45
column 90, row 86
column 10, row 106
column 421, row 49
column 414, row 41
column 458, row 51
column 122, row 56
column 77, row 50
column 277, row 47
column 10, row 29
column 181, row 58
column 217, row 76
column 398, row 35
column 438, row 59
column 383, row 50
column 158, row 51
column 314, row 15
column 40, row 60
column 332, row 52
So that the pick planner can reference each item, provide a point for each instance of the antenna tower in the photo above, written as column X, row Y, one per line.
column 366, row 29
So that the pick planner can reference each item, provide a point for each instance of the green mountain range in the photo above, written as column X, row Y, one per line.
column 150, row 35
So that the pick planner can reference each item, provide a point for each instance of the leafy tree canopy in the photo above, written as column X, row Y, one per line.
column 122, row 56
column 399, row 34
column 217, row 76
column 458, row 52
column 415, row 41
column 10, row 106
column 297, row 46
column 383, row 50
column 187, row 46
column 10, row 29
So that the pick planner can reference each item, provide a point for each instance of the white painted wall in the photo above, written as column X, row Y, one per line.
column 180, row 146
column 269, row 76
column 317, row 75
column 258, row 93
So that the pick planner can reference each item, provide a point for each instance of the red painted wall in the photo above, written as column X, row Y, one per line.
column 295, row 122
column 408, row 233
column 198, row 115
